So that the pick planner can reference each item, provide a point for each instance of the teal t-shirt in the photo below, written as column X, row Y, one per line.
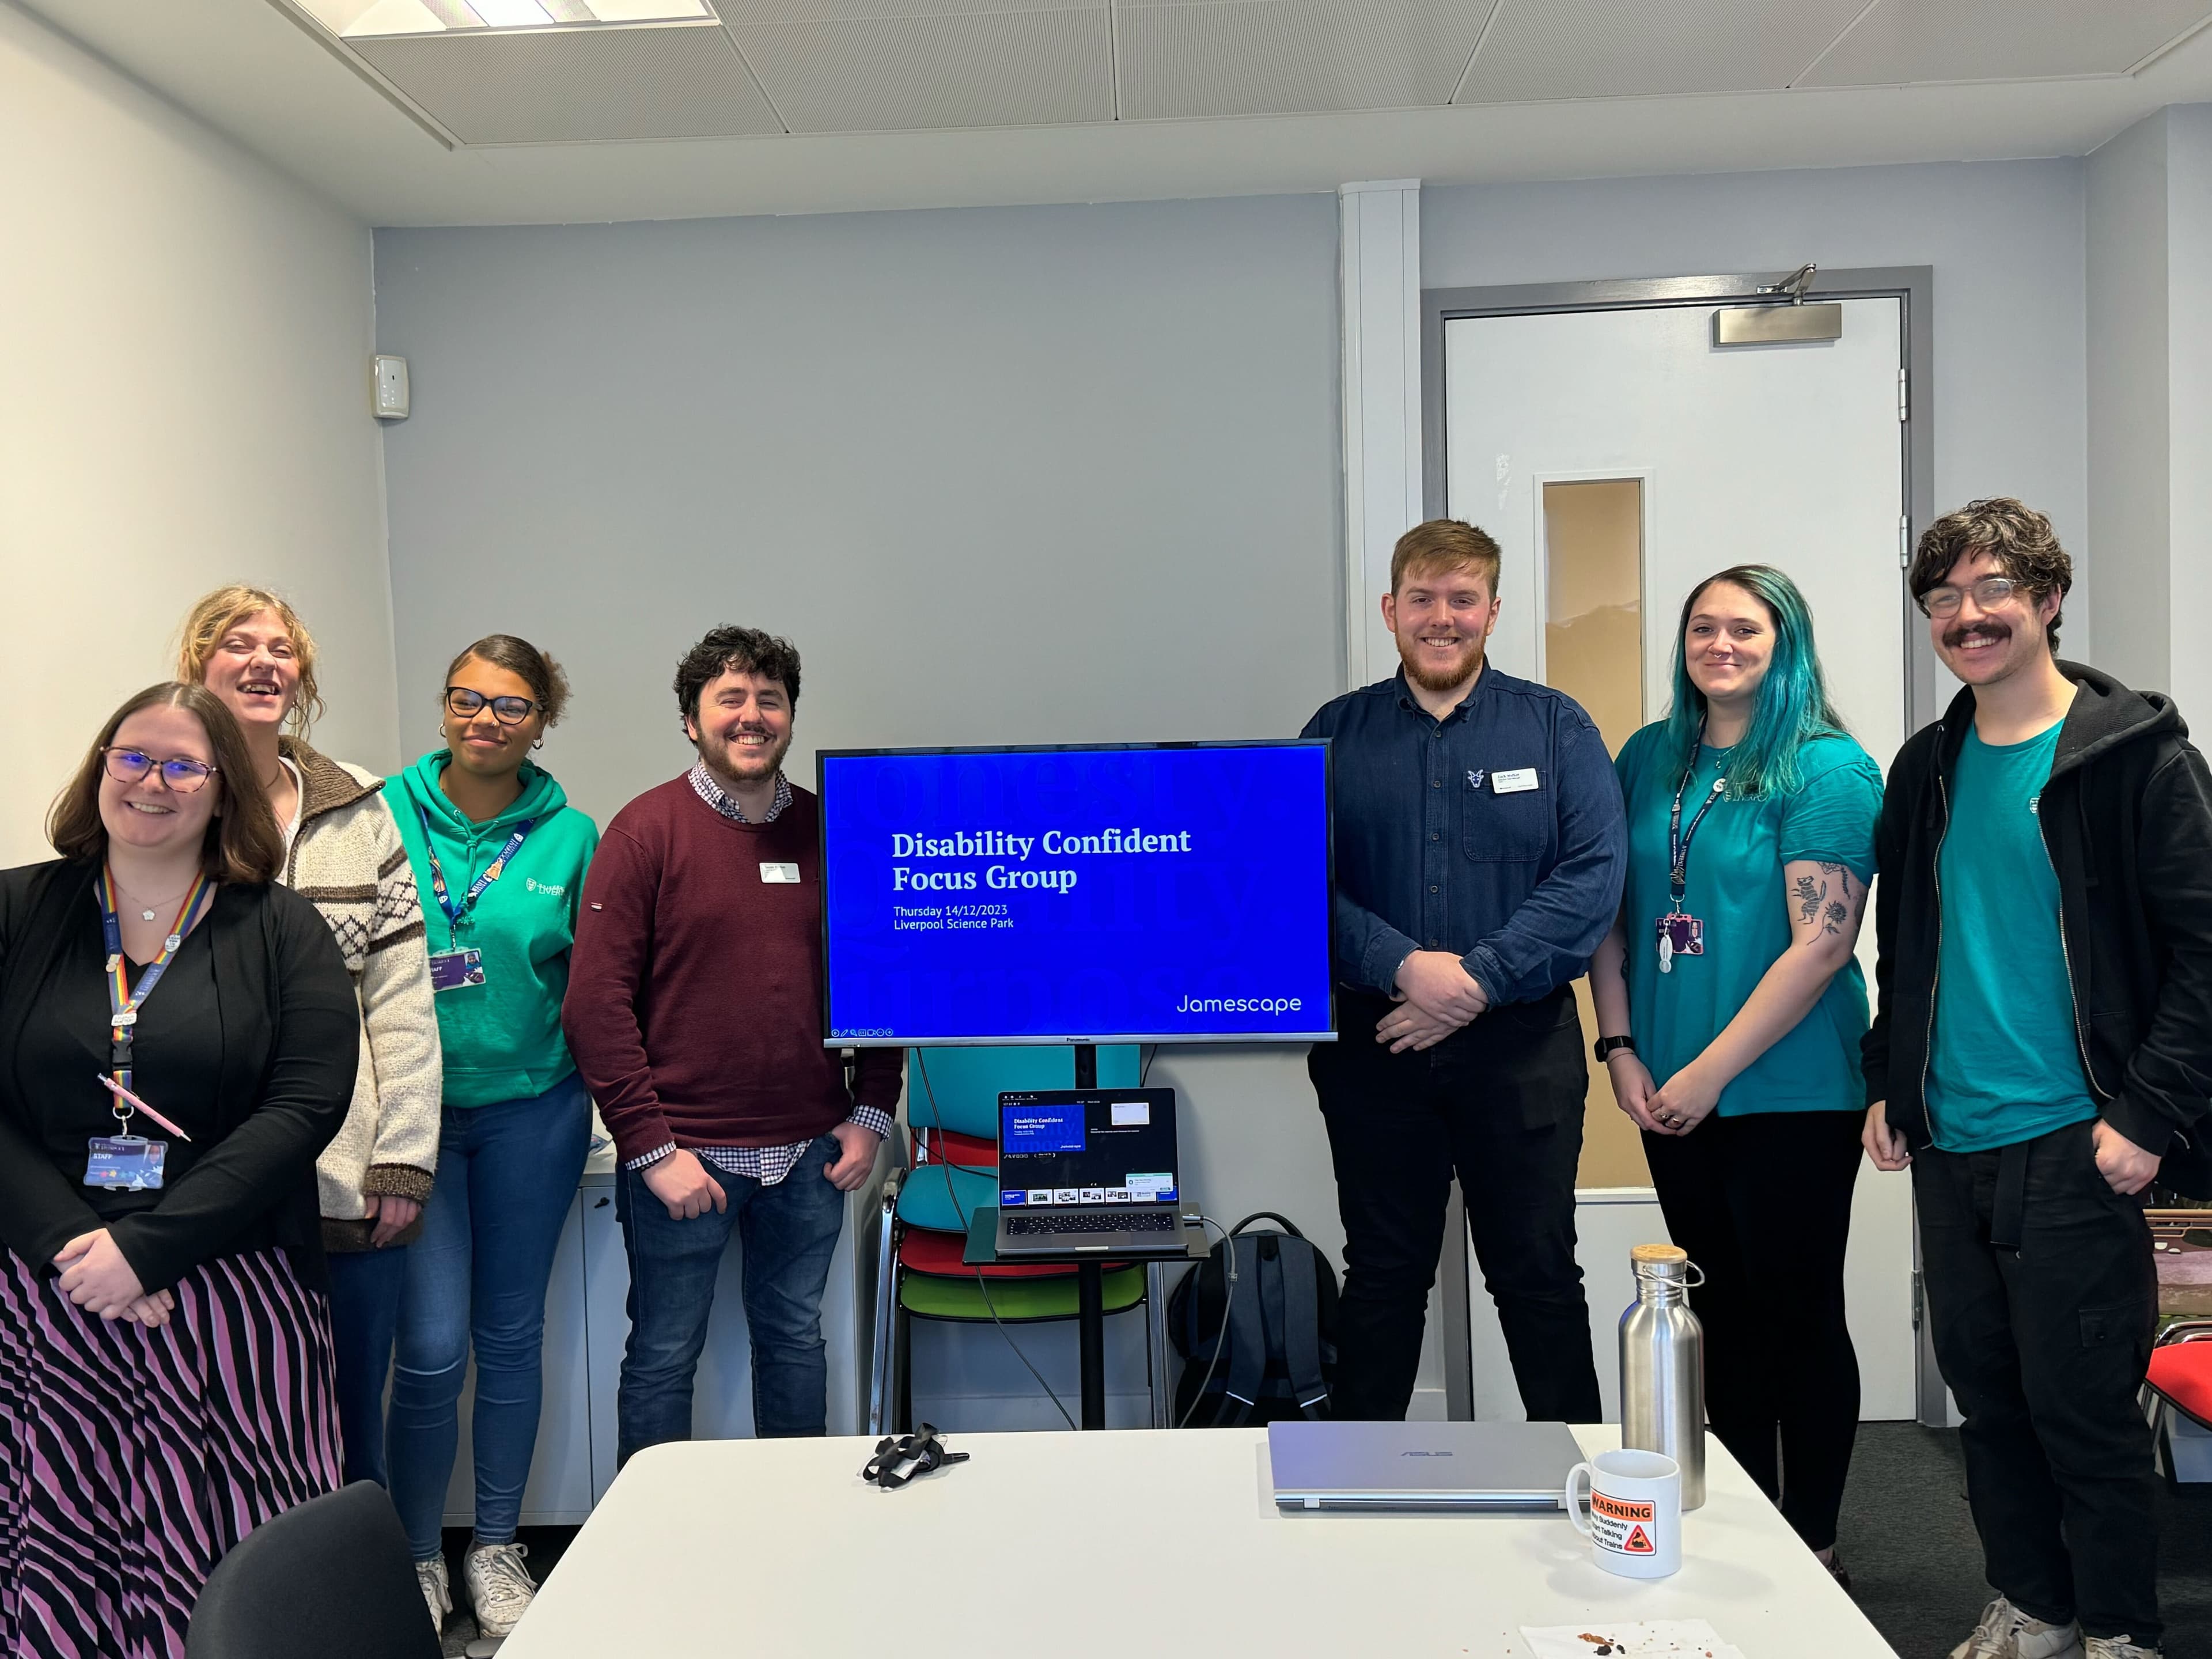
column 2005, row 1064
column 1737, row 889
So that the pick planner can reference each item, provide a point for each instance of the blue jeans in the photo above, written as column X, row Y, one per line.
column 506, row 1174
column 789, row 1232
column 364, row 1315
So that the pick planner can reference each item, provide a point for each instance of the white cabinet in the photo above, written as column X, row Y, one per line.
column 586, row 1322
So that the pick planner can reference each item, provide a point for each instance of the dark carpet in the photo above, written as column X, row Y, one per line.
column 1906, row 1536
column 1915, row 1565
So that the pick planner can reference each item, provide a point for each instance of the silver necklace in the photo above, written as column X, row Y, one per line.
column 147, row 914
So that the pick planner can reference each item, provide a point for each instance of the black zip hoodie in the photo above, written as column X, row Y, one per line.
column 2127, row 820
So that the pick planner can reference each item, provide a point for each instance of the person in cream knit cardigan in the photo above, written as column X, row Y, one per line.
column 343, row 851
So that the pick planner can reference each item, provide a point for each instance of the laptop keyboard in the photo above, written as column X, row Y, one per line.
column 1144, row 1222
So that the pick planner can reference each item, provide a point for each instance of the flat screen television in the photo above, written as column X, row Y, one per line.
column 1133, row 893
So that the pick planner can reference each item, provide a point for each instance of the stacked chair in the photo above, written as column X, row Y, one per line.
column 953, row 1114
column 2179, row 1391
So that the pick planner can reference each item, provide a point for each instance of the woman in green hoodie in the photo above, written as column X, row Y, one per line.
column 499, row 856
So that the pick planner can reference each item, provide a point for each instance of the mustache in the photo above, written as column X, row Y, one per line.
column 1955, row 637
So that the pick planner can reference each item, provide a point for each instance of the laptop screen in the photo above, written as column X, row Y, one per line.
column 1087, row 1147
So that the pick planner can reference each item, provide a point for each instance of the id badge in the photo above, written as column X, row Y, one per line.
column 451, row 969
column 1679, row 936
column 129, row 1163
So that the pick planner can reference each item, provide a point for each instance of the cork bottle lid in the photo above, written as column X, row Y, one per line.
column 1673, row 1255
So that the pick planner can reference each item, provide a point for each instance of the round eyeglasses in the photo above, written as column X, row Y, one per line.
column 181, row 773
column 1989, row 594
column 467, row 705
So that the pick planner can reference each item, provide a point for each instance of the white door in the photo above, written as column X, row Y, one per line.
column 1789, row 455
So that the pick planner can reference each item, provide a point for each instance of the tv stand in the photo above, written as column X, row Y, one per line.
column 1090, row 1290
column 1086, row 1064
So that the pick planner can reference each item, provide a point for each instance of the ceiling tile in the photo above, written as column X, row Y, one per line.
column 1545, row 49
column 1901, row 41
column 565, row 85
column 736, row 12
column 900, row 73
column 1285, row 56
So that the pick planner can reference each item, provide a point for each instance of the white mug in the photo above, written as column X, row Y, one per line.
column 1635, row 1522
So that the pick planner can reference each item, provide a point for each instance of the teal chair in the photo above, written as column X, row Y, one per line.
column 952, row 1111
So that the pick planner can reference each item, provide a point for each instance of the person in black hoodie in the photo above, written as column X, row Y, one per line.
column 2041, row 1051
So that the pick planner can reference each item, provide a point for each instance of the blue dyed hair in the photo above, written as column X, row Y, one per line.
column 1792, row 704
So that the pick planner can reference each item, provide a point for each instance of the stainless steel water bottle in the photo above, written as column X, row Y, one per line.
column 1662, row 1366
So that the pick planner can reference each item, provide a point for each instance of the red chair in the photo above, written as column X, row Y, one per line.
column 2180, row 1385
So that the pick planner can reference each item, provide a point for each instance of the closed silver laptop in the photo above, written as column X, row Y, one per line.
column 1511, row 1467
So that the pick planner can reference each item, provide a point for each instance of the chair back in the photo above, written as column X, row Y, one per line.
column 957, row 1089
column 332, row 1577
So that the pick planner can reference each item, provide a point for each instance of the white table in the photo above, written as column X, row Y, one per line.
column 1106, row 1543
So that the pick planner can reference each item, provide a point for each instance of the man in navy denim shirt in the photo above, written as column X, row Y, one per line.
column 1479, row 848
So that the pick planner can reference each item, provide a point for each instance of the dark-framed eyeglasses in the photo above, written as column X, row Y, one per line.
column 466, row 704
column 1989, row 594
column 181, row 772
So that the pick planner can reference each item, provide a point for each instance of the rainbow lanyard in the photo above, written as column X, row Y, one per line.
column 122, row 1002
column 457, row 913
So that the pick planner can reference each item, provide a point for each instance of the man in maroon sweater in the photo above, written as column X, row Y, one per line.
column 695, row 1013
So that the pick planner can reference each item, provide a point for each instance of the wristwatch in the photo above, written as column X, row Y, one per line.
column 1605, row 1047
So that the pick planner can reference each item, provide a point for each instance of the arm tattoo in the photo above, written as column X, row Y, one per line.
column 1810, row 898
column 1835, row 916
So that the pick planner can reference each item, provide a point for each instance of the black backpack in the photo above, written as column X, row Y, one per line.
column 1280, row 1354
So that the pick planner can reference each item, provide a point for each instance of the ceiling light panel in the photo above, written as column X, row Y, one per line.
column 1551, row 49
column 1902, row 41
column 896, row 73
column 1285, row 57
column 577, row 85
column 360, row 20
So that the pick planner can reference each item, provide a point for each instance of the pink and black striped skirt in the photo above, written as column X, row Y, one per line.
column 131, row 1459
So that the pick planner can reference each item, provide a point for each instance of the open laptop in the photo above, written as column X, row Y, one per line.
column 1088, row 1170
column 1504, row 1467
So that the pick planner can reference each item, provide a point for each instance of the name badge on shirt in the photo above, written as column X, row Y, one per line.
column 779, row 872
column 451, row 969
column 129, row 1163
column 1514, row 782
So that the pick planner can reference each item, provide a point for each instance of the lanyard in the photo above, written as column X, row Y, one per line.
column 1679, row 839
column 456, row 913
column 122, row 1002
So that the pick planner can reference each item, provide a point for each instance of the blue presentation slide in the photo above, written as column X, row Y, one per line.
column 1077, row 894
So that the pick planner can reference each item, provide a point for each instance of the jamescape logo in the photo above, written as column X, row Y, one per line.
column 1191, row 1005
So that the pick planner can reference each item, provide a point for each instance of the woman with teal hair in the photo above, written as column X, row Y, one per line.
column 1732, row 1008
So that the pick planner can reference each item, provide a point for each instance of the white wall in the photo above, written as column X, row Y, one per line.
column 2189, row 342
column 2149, row 212
column 187, row 334
column 2005, row 239
column 2129, row 504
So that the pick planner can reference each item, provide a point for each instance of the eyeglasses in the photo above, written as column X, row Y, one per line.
column 467, row 705
column 182, row 773
column 1989, row 594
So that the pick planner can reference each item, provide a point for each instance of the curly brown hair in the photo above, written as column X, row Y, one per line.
column 735, row 651
column 243, row 843
column 2021, row 540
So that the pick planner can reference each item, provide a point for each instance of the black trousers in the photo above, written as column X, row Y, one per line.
column 1763, row 1205
column 2045, row 1348
column 1499, row 1102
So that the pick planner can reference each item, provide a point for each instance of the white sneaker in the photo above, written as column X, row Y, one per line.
column 2006, row 1632
column 500, row 1586
column 437, row 1592
column 2119, row 1647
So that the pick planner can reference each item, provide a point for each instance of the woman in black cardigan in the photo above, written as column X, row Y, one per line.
column 178, row 1042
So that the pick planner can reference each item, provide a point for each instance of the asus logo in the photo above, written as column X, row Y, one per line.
column 1424, row 1454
